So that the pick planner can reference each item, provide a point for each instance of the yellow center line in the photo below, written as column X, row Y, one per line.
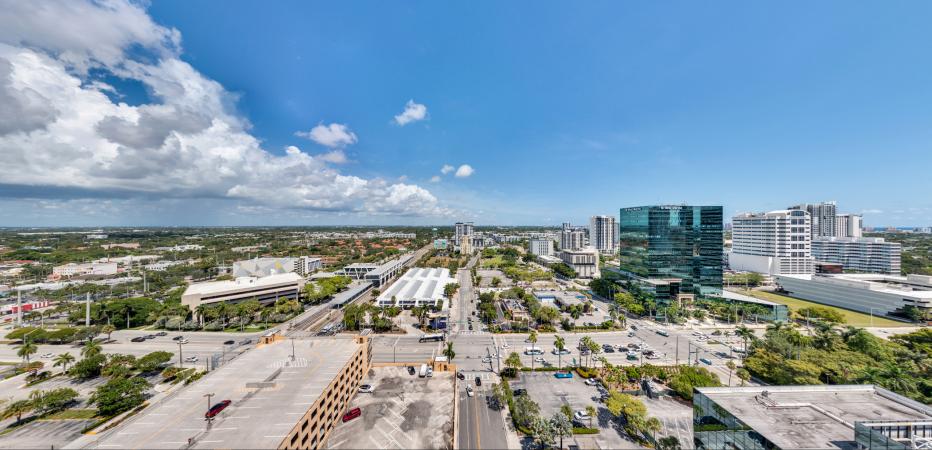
column 478, row 433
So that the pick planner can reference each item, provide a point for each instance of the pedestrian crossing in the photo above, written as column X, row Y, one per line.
column 473, row 332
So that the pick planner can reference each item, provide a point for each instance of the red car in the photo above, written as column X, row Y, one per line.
column 352, row 414
column 214, row 410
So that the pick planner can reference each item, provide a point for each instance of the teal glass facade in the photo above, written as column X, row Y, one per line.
column 673, row 241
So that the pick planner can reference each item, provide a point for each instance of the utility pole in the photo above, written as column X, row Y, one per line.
column 677, row 353
column 19, row 307
column 87, row 310
column 180, row 356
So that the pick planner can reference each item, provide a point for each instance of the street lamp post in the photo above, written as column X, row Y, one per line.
column 209, row 395
column 180, row 356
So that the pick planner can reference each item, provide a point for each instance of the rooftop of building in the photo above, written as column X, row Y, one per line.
column 854, row 240
column 214, row 287
column 351, row 292
column 911, row 285
column 269, row 394
column 565, row 297
column 419, row 282
column 819, row 416
column 391, row 264
column 729, row 295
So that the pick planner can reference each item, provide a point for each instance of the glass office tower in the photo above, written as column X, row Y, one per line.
column 673, row 249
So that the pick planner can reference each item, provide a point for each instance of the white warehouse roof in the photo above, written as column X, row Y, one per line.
column 417, row 286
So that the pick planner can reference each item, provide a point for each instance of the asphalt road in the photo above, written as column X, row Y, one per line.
column 479, row 425
column 200, row 344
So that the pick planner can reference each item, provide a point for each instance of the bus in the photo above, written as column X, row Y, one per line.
column 533, row 351
column 436, row 337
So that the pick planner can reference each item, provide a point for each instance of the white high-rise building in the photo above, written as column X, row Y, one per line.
column 572, row 238
column 602, row 233
column 848, row 225
column 773, row 243
column 822, row 217
column 540, row 246
column 461, row 229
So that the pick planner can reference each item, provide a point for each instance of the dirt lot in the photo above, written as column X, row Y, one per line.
column 405, row 411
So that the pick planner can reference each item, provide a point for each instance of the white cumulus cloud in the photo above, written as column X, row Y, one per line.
column 446, row 169
column 60, row 129
column 333, row 135
column 464, row 171
column 413, row 112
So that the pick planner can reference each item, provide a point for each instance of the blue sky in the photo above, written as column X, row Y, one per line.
column 562, row 110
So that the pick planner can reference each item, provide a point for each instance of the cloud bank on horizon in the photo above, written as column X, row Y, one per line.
column 63, row 126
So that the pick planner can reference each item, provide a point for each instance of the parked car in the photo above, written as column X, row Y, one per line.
column 705, row 361
column 460, row 375
column 352, row 414
column 161, row 333
column 518, row 392
column 580, row 415
column 478, row 381
column 191, row 359
column 216, row 409
column 366, row 389
column 663, row 333
column 592, row 382
column 47, row 355
column 138, row 339
column 411, row 370
column 231, row 342
column 539, row 359
column 609, row 350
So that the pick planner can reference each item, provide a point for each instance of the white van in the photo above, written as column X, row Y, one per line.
column 423, row 372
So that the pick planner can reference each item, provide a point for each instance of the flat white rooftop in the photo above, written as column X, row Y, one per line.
column 816, row 416
column 916, row 286
column 218, row 287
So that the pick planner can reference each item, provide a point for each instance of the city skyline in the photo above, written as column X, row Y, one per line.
column 318, row 114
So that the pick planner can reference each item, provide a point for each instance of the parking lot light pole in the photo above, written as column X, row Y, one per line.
column 209, row 395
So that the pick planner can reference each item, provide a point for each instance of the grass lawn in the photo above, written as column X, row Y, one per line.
column 854, row 318
column 495, row 261
column 72, row 414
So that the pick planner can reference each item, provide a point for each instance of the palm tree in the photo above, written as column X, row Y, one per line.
column 585, row 343
column 63, row 360
column 109, row 329
column 91, row 348
column 744, row 333
column 26, row 349
column 893, row 377
column 590, row 410
column 731, row 368
column 448, row 352
column 513, row 361
column 560, row 344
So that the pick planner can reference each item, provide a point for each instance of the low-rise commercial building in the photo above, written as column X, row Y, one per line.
column 378, row 274
column 584, row 261
column 264, row 289
column 126, row 245
column 261, row 267
column 419, row 286
column 560, row 299
column 807, row 417
column 74, row 269
column 283, row 395
column 770, row 311
column 870, row 255
column 875, row 294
